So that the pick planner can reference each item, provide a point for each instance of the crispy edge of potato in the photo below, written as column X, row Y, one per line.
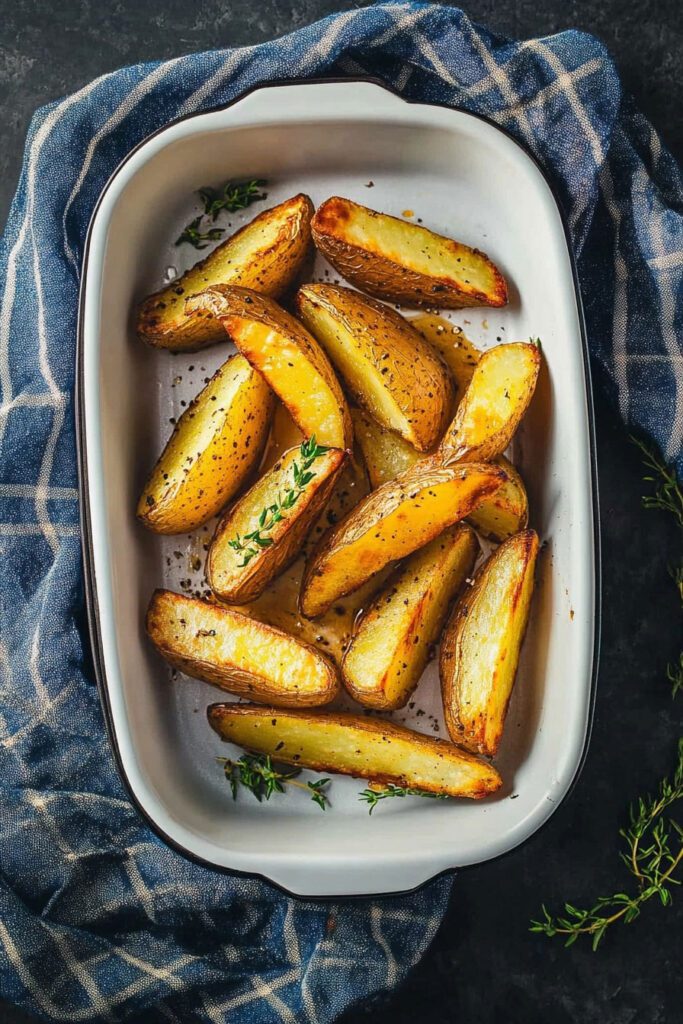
column 239, row 310
column 217, row 472
column 479, row 432
column 386, row 455
column 507, row 511
column 386, row 270
column 365, row 748
column 406, row 618
column 386, row 364
column 272, row 269
column 241, row 676
column 244, row 583
column 391, row 510
column 478, row 726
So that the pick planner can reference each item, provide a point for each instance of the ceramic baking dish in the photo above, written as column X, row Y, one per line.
column 462, row 176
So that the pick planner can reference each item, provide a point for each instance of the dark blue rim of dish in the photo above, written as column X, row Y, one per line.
column 92, row 607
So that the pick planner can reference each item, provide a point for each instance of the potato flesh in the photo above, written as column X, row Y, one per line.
column 385, row 454
column 385, row 363
column 391, row 645
column 265, row 255
column 356, row 745
column 245, row 657
column 498, row 395
column 507, row 511
column 482, row 643
column 423, row 250
column 214, row 447
column 392, row 522
column 227, row 576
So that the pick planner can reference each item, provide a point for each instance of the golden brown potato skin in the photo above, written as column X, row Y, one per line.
column 481, row 644
column 457, row 351
column 392, row 522
column 238, row 654
column 385, row 257
column 386, row 364
column 292, row 361
column 366, row 748
column 498, row 395
column 391, row 643
column 236, row 583
column 212, row 451
column 267, row 255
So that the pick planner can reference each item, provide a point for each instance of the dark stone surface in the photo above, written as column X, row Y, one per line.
column 484, row 966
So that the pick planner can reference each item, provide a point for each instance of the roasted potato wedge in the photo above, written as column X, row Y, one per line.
column 239, row 654
column 392, row 522
column 391, row 644
column 385, row 454
column 386, row 364
column 266, row 255
column 481, row 645
column 507, row 511
column 402, row 262
column 498, row 395
column 215, row 445
column 457, row 351
column 264, row 531
column 292, row 362
column 278, row 605
column 355, row 745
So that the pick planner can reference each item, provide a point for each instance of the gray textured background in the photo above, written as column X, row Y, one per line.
column 484, row 966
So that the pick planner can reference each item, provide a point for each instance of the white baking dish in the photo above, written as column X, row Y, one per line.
column 462, row 176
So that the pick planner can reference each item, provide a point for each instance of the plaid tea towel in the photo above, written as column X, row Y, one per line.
column 99, row 921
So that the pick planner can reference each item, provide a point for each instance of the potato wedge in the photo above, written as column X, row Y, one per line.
column 391, row 644
column 386, row 364
column 238, row 654
column 392, row 522
column 284, row 434
column 266, row 255
column 385, row 454
column 279, row 509
column 215, row 445
column 457, row 351
column 402, row 262
column 278, row 605
column 507, row 511
column 498, row 395
column 366, row 748
column 481, row 645
column 292, row 362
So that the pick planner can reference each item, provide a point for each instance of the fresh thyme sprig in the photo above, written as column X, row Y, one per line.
column 253, row 542
column 373, row 796
column 668, row 494
column 233, row 196
column 257, row 774
column 195, row 237
column 648, row 856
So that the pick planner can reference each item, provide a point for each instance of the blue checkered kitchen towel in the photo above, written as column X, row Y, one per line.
column 99, row 921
